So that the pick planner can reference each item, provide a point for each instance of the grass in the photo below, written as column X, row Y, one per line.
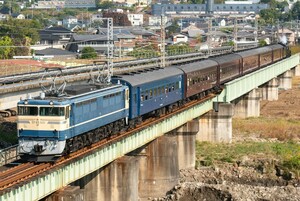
column 295, row 49
column 280, row 128
column 287, row 153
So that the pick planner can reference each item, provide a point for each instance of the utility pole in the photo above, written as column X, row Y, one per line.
column 278, row 37
column 162, row 42
column 235, row 35
column 104, row 77
column 209, row 36
column 297, row 31
column 256, row 31
column 110, row 48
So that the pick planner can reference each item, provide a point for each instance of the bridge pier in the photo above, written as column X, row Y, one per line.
column 248, row 105
column 159, row 170
column 285, row 80
column 270, row 90
column 69, row 193
column 296, row 70
column 186, row 139
column 216, row 126
column 116, row 181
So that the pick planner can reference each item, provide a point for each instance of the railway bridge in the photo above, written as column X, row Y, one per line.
column 147, row 162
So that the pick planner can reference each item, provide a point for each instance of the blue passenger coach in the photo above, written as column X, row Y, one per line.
column 46, row 124
column 152, row 90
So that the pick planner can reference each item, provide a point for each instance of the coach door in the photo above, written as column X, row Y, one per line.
column 126, row 98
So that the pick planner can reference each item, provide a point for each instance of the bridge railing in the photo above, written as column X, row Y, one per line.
column 9, row 154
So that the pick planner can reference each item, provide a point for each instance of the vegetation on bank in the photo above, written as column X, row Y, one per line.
column 268, row 127
column 284, row 151
column 295, row 49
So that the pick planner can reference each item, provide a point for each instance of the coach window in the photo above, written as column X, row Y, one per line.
column 150, row 94
column 162, row 90
column 30, row 111
column 142, row 97
column 155, row 92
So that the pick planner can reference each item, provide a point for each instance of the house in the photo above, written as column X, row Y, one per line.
column 156, row 20
column 80, row 4
column 55, row 37
column 18, row 16
column 70, row 20
column 96, row 17
column 50, row 4
column 286, row 36
column 124, row 41
column 141, row 33
column 179, row 38
column 136, row 19
column 56, row 53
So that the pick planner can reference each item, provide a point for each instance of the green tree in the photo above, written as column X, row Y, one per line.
column 105, row 5
column 88, row 53
column 270, row 16
column 295, row 12
column 19, row 29
column 173, row 28
column 178, row 49
column 262, row 43
column 5, row 47
column 143, row 53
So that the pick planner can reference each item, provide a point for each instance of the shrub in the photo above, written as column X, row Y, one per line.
column 88, row 53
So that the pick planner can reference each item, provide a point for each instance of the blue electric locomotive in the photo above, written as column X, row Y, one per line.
column 48, row 127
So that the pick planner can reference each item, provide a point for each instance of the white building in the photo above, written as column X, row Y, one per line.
column 70, row 20
column 136, row 19
column 180, row 38
column 156, row 20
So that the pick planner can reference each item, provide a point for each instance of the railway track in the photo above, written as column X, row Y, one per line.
column 141, row 63
column 25, row 171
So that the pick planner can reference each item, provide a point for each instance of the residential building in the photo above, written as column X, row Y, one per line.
column 56, row 53
column 70, row 20
column 96, row 17
column 124, row 41
column 197, row 9
column 136, row 19
column 18, row 16
column 49, row 4
column 286, row 36
column 179, row 38
column 58, row 4
column 156, row 20
column 80, row 4
column 54, row 37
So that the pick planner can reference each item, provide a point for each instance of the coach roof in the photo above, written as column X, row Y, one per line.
column 136, row 79
column 257, row 51
column 196, row 66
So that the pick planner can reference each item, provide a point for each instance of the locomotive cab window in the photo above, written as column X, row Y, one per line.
column 52, row 111
column 27, row 111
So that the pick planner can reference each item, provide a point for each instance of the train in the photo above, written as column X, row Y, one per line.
column 51, row 126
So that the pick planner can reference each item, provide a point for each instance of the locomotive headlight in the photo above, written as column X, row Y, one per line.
column 26, row 102
column 51, row 103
